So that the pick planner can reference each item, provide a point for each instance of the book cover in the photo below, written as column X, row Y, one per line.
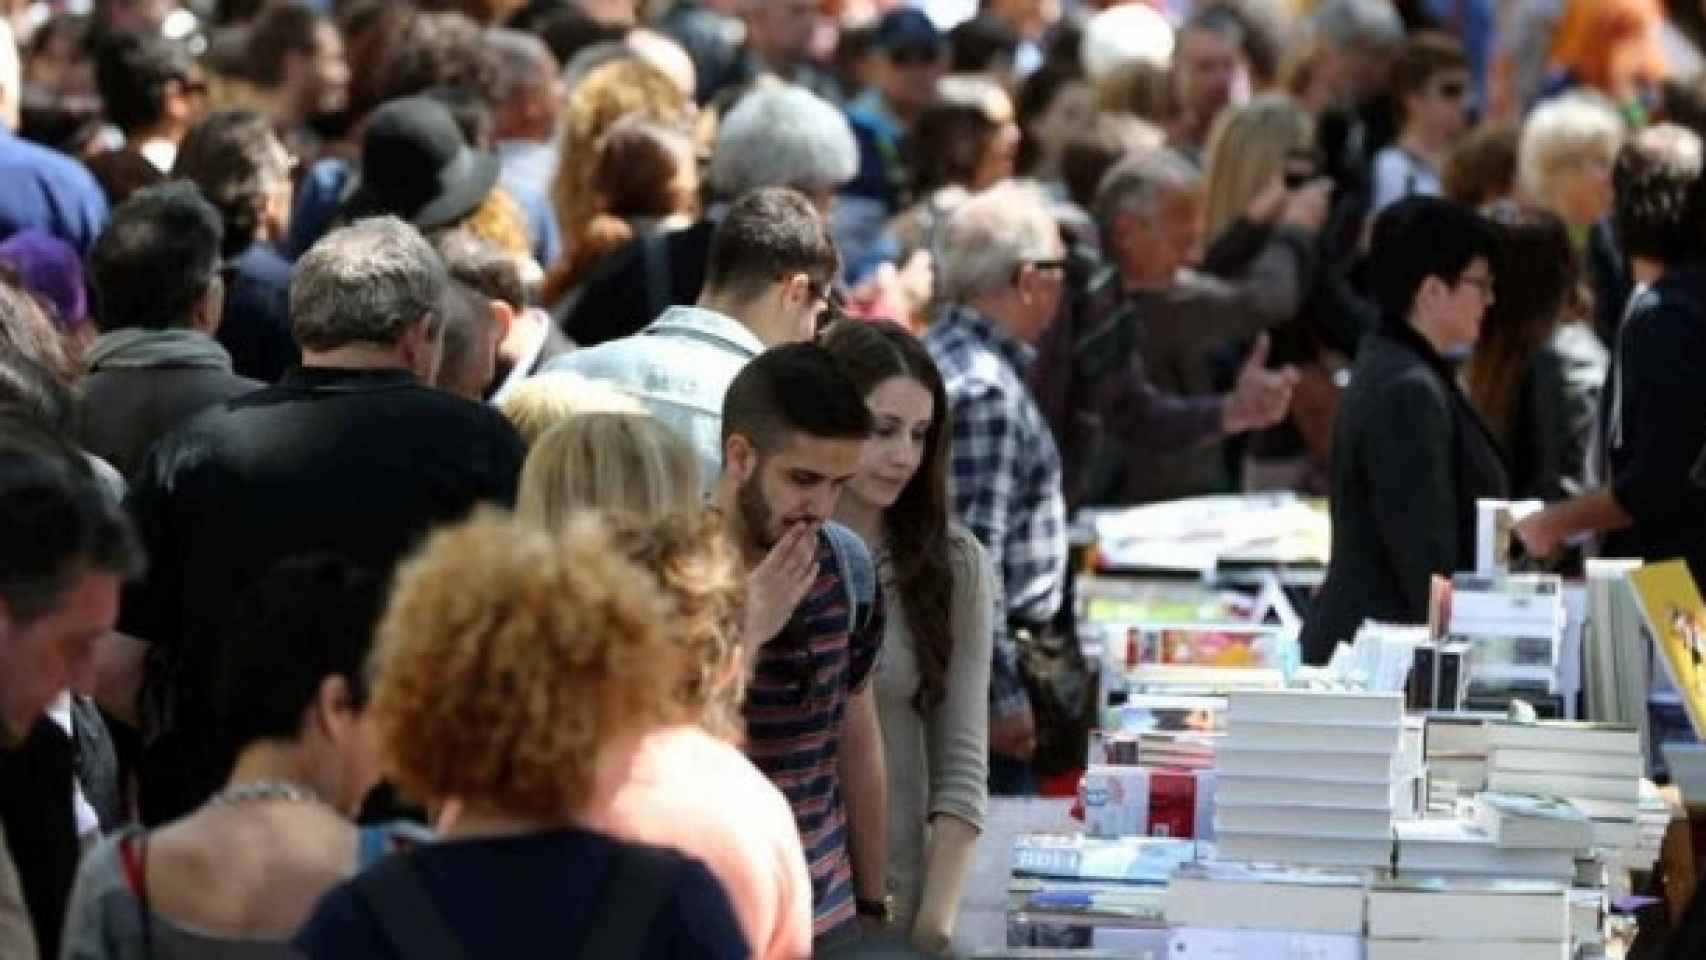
column 1200, row 943
column 1424, row 675
column 1238, row 897
column 1571, row 787
column 1522, row 820
column 1077, row 857
column 1517, row 760
column 1676, row 619
column 1568, row 735
column 1459, row 910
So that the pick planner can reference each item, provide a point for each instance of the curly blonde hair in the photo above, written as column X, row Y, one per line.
column 508, row 656
column 545, row 400
column 699, row 574
column 623, row 88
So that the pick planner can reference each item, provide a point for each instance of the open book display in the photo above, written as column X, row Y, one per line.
column 1676, row 619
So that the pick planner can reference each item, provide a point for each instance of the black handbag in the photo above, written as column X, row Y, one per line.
column 1062, row 686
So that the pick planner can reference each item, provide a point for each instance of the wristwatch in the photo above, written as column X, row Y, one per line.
column 879, row 910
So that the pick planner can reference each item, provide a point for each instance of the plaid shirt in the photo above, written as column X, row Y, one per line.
column 1007, row 477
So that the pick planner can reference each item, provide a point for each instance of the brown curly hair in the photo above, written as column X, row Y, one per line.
column 508, row 656
column 699, row 574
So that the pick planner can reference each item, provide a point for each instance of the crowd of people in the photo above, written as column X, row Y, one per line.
column 488, row 478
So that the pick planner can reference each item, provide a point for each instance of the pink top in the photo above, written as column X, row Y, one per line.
column 687, row 790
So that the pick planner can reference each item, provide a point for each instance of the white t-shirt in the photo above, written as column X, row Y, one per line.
column 1399, row 174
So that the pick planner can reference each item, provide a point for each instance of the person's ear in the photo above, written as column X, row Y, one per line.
column 334, row 709
column 797, row 291
column 740, row 457
column 210, row 306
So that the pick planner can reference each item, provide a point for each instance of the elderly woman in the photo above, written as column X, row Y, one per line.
column 510, row 663
column 1410, row 454
column 1564, row 164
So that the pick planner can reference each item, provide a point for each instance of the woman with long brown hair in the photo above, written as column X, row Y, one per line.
column 933, row 683
column 1536, row 372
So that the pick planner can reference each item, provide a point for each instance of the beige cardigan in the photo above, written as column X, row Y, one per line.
column 937, row 764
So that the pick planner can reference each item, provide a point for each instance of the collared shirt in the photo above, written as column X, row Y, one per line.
column 795, row 707
column 679, row 367
column 1006, row 473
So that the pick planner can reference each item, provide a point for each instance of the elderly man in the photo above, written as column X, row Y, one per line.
column 1001, row 275
column 776, row 137
column 1150, row 211
column 352, row 453
column 68, row 548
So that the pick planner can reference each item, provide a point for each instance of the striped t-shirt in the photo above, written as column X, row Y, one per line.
column 794, row 708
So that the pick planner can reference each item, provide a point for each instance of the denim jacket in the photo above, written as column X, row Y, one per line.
column 679, row 367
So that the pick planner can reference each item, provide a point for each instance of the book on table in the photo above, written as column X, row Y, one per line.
column 1200, row 943
column 1310, row 821
column 1239, row 897
column 1524, row 820
column 1313, row 737
column 1294, row 848
column 1235, row 758
column 1571, row 736
column 1621, row 789
column 1467, row 910
column 1517, row 760
column 1675, row 616
column 1472, row 950
column 1308, row 706
column 1079, row 857
column 1460, row 848
column 1238, row 789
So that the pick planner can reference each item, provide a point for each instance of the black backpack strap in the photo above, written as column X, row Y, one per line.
column 639, row 882
column 408, row 919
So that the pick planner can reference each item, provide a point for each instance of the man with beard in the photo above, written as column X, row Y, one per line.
column 794, row 430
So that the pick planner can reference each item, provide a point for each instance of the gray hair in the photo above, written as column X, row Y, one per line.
column 1346, row 22
column 1561, row 131
column 364, row 283
column 520, row 57
column 990, row 235
column 783, row 136
column 1135, row 186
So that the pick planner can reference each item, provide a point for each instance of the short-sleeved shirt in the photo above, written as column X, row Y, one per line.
column 795, row 706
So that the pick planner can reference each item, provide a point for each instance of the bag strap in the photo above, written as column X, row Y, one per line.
column 858, row 574
column 408, row 919
column 654, row 254
column 639, row 882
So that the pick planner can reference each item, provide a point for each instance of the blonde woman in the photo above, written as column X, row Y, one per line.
column 677, row 786
column 510, row 665
column 1564, row 162
column 545, row 400
column 1262, row 178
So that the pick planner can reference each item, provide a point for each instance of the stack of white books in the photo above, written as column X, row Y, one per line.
column 1233, row 896
column 1596, row 767
column 1525, row 822
column 1652, row 821
column 1468, row 920
column 1614, row 649
column 1456, row 752
column 1308, row 778
column 1459, row 848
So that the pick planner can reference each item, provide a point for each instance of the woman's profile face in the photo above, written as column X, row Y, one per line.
column 903, row 411
column 1581, row 188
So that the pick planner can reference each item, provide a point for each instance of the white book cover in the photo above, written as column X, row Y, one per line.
column 1459, row 910
column 1305, row 850
column 1314, row 821
column 1231, row 896
column 1354, row 767
column 1198, row 943
column 1457, row 846
column 1630, row 765
column 1344, row 737
column 1237, row 789
column 1621, row 789
column 1521, row 820
column 1565, row 735
column 1312, row 706
column 1481, row 950
column 1604, row 809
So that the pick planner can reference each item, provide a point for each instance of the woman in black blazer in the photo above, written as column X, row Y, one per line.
column 1410, row 455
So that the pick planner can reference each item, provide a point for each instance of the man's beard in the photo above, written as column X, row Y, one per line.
column 755, row 514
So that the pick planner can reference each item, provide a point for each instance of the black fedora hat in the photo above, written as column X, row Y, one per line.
column 415, row 164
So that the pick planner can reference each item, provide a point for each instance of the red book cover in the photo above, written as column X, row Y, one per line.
column 1172, row 803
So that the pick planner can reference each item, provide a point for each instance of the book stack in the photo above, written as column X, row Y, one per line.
column 1468, row 920
column 1614, row 651
column 1456, row 753
column 1652, row 821
column 1230, row 910
column 1080, row 913
column 1308, row 777
column 1596, row 767
column 1514, row 626
column 1459, row 848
